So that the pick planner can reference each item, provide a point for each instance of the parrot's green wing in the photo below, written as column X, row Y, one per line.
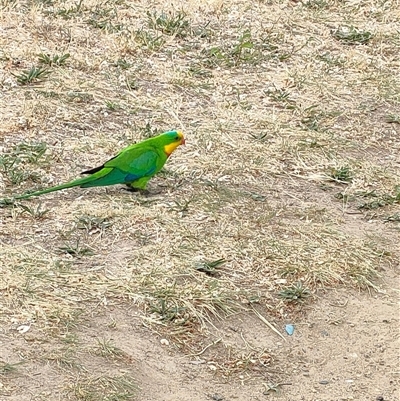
column 131, row 165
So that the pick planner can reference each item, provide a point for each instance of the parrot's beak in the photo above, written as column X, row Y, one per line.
column 182, row 142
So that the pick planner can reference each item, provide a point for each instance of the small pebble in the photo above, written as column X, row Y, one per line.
column 324, row 382
column 289, row 329
column 217, row 397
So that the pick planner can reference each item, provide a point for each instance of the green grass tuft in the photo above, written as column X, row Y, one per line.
column 295, row 293
column 34, row 75
column 351, row 35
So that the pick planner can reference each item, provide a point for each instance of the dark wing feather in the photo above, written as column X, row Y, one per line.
column 96, row 169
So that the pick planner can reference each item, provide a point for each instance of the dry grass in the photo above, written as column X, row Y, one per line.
column 290, row 115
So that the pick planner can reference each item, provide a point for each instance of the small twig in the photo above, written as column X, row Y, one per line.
column 263, row 319
column 205, row 348
column 340, row 305
column 247, row 344
column 274, row 387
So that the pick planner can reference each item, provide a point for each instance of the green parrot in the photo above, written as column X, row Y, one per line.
column 134, row 166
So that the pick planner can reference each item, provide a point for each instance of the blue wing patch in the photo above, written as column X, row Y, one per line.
column 131, row 177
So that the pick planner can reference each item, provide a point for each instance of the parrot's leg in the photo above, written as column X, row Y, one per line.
column 138, row 185
column 131, row 189
column 144, row 192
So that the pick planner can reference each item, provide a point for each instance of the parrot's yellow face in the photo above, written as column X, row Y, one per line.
column 176, row 139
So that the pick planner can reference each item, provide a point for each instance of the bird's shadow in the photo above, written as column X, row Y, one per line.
column 143, row 192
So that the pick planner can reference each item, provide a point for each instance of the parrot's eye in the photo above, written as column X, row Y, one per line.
column 177, row 138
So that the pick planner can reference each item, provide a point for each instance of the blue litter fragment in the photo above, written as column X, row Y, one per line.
column 289, row 329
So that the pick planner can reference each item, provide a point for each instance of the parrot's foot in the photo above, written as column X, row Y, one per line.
column 131, row 189
column 144, row 192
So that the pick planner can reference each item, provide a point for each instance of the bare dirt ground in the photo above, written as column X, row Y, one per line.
column 345, row 347
column 283, row 207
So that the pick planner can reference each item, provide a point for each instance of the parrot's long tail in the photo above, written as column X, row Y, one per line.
column 75, row 183
column 100, row 177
